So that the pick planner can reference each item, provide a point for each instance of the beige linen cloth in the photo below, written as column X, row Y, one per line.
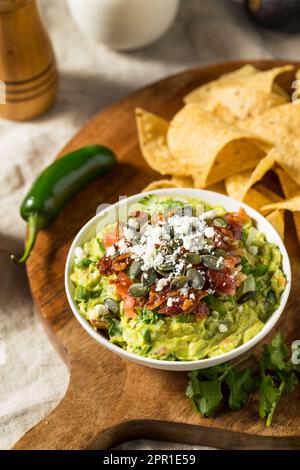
column 33, row 377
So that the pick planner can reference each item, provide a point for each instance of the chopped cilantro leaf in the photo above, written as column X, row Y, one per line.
column 114, row 328
column 274, row 374
column 240, row 383
column 84, row 263
column 147, row 336
column 80, row 293
column 246, row 268
column 260, row 270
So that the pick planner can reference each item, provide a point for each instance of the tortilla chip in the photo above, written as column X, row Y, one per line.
column 244, row 95
column 290, row 189
column 292, row 204
column 152, row 134
column 288, row 185
column 218, row 187
column 268, row 193
column 277, row 125
column 160, row 184
column 232, row 108
column 280, row 125
column 183, row 181
column 256, row 199
column 225, row 79
column 276, row 218
column 262, row 168
column 208, row 148
column 280, row 91
column 247, row 77
column 235, row 184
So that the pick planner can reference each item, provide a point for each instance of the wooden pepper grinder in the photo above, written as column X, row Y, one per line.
column 28, row 75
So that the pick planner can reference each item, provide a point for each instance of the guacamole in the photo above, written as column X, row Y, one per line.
column 179, row 279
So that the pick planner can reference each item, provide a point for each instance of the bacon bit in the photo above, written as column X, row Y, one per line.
column 202, row 311
column 236, row 220
column 155, row 299
column 121, row 262
column 141, row 215
column 176, row 309
column 222, row 282
column 100, row 324
column 104, row 265
column 187, row 303
column 231, row 261
column 240, row 278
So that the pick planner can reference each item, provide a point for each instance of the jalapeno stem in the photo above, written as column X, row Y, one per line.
column 35, row 223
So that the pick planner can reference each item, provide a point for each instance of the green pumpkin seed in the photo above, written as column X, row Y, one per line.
column 149, row 277
column 247, row 296
column 135, row 269
column 219, row 222
column 219, row 252
column 162, row 273
column 138, row 290
column 178, row 282
column 192, row 258
column 208, row 243
column 213, row 262
column 194, row 278
column 167, row 266
column 113, row 306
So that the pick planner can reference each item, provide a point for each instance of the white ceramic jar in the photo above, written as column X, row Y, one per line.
column 124, row 24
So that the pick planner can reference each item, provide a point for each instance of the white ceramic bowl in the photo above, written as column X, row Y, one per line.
column 89, row 230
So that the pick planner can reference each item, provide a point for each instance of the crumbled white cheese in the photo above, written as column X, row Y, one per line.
column 128, row 234
column 111, row 251
column 79, row 254
column 208, row 215
column 98, row 311
column 123, row 247
column 161, row 283
column 253, row 250
column 134, row 223
column 222, row 328
column 209, row 232
column 184, row 290
column 169, row 302
column 220, row 261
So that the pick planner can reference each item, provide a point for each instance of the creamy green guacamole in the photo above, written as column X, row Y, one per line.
column 229, row 319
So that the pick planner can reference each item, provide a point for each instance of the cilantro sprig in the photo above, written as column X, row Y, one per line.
column 272, row 374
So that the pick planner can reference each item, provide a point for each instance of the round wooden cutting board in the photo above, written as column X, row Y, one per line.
column 110, row 400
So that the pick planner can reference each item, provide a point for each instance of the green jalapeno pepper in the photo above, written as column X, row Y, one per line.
column 57, row 184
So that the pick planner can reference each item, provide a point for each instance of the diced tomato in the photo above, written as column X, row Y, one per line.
column 113, row 237
column 129, row 303
column 222, row 282
column 123, row 282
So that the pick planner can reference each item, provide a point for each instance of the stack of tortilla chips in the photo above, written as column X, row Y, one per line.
column 228, row 135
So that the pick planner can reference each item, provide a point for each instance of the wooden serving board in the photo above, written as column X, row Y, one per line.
column 110, row 400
